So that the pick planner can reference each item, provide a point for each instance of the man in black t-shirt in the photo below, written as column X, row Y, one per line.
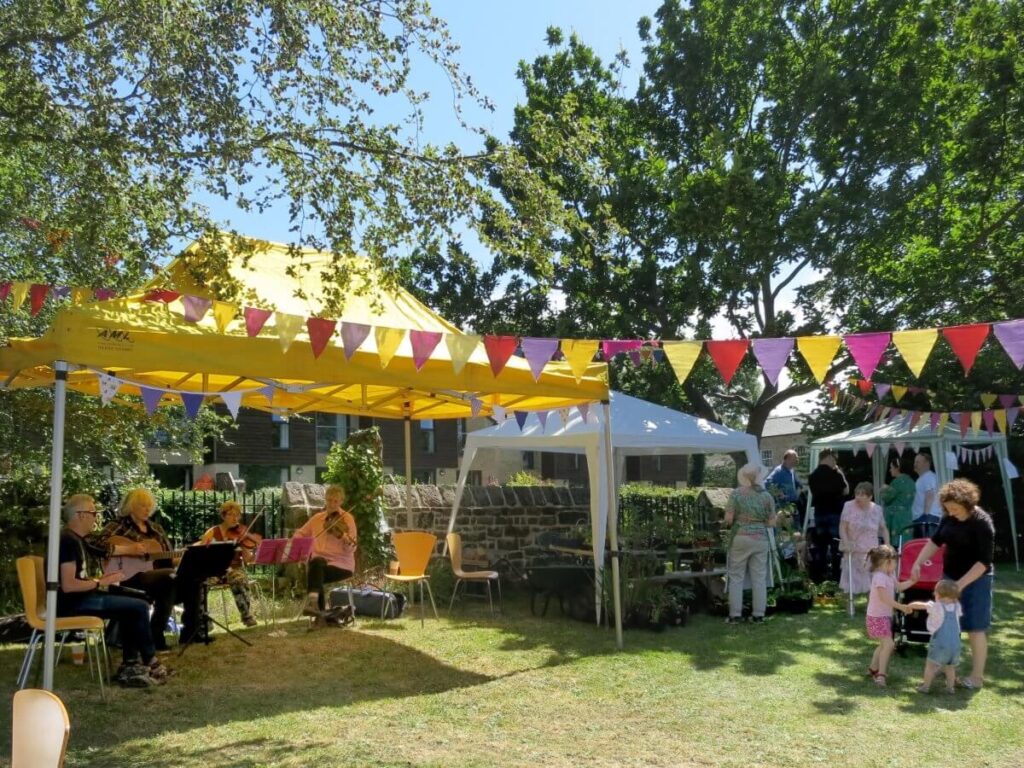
column 79, row 594
column 828, row 493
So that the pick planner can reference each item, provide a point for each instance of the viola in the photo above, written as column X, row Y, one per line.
column 246, row 541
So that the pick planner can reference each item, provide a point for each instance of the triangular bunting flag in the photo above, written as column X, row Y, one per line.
column 19, row 291
column 538, row 352
column 771, row 355
column 268, row 392
column 104, row 294
column 866, row 349
column 320, row 331
column 108, row 387
column 882, row 390
column 898, row 392
column 387, row 340
column 988, row 400
column 975, row 422
column 460, row 347
column 966, row 340
column 223, row 313
column 682, row 355
column 933, row 421
column 1011, row 335
column 61, row 292
column 990, row 421
column 521, row 419
column 161, row 295
column 287, row 327
column 255, row 319
column 475, row 404
column 818, row 352
column 1007, row 401
column 37, row 295
column 195, row 308
column 864, row 385
column 869, row 448
column 943, row 421
column 192, row 401
column 584, row 409
column 5, row 289
column 1000, row 417
column 352, row 337
column 498, row 412
column 233, row 401
column 542, row 417
column 423, row 345
column 1011, row 417
column 563, row 413
column 915, row 347
column 613, row 347
column 150, row 398
column 727, row 356
column 499, row 350
column 915, row 417
column 579, row 353
column 899, row 448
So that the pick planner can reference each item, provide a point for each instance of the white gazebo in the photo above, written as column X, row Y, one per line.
column 638, row 428
column 942, row 445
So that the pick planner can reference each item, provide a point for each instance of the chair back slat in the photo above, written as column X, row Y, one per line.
column 40, row 728
column 455, row 551
column 30, row 579
column 414, row 549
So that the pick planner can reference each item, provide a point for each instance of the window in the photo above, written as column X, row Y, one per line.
column 331, row 428
column 804, row 455
column 279, row 434
column 423, row 476
column 427, row 444
column 160, row 438
column 475, row 477
column 528, row 460
column 766, row 457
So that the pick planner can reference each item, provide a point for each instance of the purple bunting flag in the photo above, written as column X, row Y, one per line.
column 193, row 402
column 934, row 421
column 1007, row 400
column 150, row 398
column 771, row 355
column 352, row 337
column 1011, row 416
column 521, row 419
column 196, row 307
column 538, row 352
column 475, row 404
column 423, row 344
column 542, row 417
column 866, row 350
column 584, row 409
column 882, row 390
column 268, row 392
column 1011, row 336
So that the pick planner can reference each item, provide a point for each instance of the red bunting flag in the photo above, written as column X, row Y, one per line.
column 160, row 294
column 727, row 356
column 320, row 332
column 966, row 340
column 499, row 350
column 37, row 295
column 255, row 319
column 864, row 385
column 5, row 289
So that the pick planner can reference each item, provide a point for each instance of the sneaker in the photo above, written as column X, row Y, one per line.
column 250, row 621
column 159, row 672
column 923, row 688
column 134, row 676
column 734, row 620
column 757, row 619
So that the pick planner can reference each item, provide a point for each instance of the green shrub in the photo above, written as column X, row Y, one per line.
column 523, row 477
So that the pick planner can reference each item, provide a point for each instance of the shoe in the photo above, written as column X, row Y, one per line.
column 924, row 688
column 250, row 621
column 757, row 619
column 951, row 690
column 159, row 672
column 967, row 683
column 880, row 680
column 134, row 676
column 733, row 620
column 872, row 672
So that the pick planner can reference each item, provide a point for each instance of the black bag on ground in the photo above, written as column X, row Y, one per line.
column 369, row 601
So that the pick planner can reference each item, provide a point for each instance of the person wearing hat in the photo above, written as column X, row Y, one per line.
column 748, row 513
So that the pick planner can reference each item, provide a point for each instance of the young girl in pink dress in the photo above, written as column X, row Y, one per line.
column 881, row 602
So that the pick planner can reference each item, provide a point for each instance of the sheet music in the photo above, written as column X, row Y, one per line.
column 270, row 551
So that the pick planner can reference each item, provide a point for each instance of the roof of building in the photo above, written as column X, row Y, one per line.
column 778, row 426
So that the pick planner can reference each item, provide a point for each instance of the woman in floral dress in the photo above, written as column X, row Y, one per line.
column 861, row 525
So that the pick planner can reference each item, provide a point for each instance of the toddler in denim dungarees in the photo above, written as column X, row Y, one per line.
column 944, row 625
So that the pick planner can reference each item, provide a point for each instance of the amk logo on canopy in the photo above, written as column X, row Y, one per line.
column 111, row 339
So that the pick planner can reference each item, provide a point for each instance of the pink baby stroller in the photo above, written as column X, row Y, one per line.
column 911, row 628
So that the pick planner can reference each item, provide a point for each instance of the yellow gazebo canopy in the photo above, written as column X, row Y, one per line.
column 151, row 344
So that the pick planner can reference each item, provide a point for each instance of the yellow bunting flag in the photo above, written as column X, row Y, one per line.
column 460, row 347
column 18, row 293
column 682, row 355
column 579, row 353
column 81, row 295
column 988, row 400
column 388, row 340
column 943, row 421
column 915, row 347
column 223, row 314
column 819, row 352
column 288, row 327
column 1000, row 417
column 898, row 391
column 975, row 421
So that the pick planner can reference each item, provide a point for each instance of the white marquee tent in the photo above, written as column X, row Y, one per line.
column 638, row 428
column 943, row 447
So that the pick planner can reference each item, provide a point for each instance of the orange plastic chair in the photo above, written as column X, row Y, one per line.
column 461, row 576
column 40, row 728
column 33, row 595
column 413, row 549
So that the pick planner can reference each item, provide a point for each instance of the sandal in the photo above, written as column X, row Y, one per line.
column 967, row 683
column 872, row 672
column 924, row 688
column 879, row 680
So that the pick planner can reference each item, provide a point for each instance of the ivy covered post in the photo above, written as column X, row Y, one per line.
column 357, row 466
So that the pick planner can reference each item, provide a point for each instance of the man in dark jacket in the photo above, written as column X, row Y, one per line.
column 829, row 490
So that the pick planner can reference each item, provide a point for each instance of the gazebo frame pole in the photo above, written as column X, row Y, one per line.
column 613, row 521
column 408, row 468
column 60, row 383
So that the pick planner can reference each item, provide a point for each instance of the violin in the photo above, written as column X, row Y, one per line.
column 334, row 525
column 245, row 540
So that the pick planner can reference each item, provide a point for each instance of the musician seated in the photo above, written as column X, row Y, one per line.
column 334, row 545
column 80, row 595
column 231, row 529
column 134, row 544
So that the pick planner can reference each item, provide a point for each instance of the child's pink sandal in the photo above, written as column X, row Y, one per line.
column 879, row 679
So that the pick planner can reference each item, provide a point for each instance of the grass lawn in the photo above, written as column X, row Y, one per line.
column 517, row 690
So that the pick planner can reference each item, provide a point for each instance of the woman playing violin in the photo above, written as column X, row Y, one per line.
column 334, row 545
column 231, row 529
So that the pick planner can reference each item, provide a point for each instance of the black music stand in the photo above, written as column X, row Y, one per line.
column 201, row 563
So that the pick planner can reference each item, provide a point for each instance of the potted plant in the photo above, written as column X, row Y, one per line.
column 826, row 593
column 794, row 597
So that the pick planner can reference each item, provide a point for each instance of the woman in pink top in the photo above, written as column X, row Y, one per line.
column 334, row 545
column 881, row 602
column 861, row 525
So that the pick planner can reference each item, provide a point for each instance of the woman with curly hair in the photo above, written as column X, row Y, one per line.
column 969, row 536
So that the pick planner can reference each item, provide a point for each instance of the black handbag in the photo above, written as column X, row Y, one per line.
column 369, row 601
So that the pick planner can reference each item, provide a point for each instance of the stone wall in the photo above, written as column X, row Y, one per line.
column 495, row 521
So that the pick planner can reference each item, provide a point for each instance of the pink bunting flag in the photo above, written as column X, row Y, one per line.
column 870, row 449
column 475, row 404
column 934, row 421
column 104, row 294
column 1007, row 400
column 882, row 390
column 899, row 448
column 538, row 353
column 192, row 401
column 965, row 423
column 990, row 421
column 5, row 290
column 866, row 350
column 196, row 307
column 584, row 409
column 423, row 344
column 542, row 417
column 521, row 419
column 150, row 398
column 915, row 418
column 613, row 347
column 771, row 355
column 1011, row 336
column 352, row 337
column 320, row 331
column 37, row 295
column 255, row 319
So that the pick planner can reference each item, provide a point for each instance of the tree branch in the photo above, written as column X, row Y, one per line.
column 16, row 41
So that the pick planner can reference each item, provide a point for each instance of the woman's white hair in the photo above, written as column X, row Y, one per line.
column 750, row 474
